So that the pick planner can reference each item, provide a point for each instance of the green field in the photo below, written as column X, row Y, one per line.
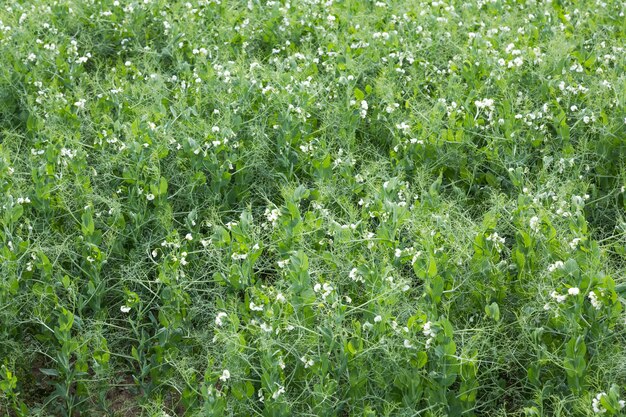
column 327, row 208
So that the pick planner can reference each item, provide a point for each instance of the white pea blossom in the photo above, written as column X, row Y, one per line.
column 307, row 362
column 594, row 300
column 574, row 243
column 218, row 319
column 573, row 291
column 278, row 392
column 225, row 375
column 124, row 309
column 364, row 108
column 255, row 307
column 534, row 224
column 354, row 275
column 597, row 406
column 557, row 265
column 239, row 256
column 558, row 297
column 428, row 330
column 272, row 215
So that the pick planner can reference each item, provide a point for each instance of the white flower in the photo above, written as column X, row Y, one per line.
column 407, row 344
column 354, row 275
column 485, row 103
column 272, row 215
column 281, row 390
column 307, row 362
column 124, row 309
column 574, row 243
column 225, row 375
column 559, row 298
column 255, row 307
column 429, row 341
column 219, row 317
column 534, row 224
column 573, row 291
column 280, row 298
column 593, row 299
column 364, row 107
column 378, row 319
column 404, row 127
column 598, row 408
column 150, row 197
column 189, row 236
column 427, row 330
column 555, row 266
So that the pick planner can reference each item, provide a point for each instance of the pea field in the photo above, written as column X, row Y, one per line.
column 333, row 208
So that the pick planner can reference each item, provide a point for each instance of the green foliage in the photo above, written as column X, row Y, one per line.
column 329, row 208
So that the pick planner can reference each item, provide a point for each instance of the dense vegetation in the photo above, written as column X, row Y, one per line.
column 312, row 208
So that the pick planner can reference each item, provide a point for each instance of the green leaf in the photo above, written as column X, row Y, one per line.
column 571, row 267
column 134, row 353
column 432, row 267
column 162, row 186
column 49, row 372
column 436, row 288
column 87, row 225
column 493, row 311
column 358, row 94
column 422, row 358
column 238, row 390
column 300, row 193
column 18, row 210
